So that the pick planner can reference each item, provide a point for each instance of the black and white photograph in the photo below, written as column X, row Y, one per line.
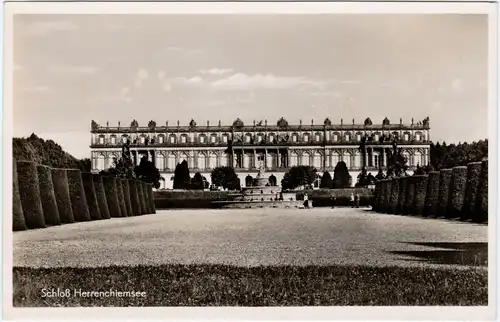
column 326, row 158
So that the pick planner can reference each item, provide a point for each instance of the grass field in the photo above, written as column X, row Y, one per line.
column 221, row 285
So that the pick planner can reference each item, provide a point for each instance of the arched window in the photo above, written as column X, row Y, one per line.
column 172, row 139
column 347, row 137
column 212, row 160
column 335, row 137
column 358, row 136
column 201, row 161
column 213, row 138
column 248, row 181
column 171, row 161
column 225, row 138
column 306, row 137
column 248, row 138
column 160, row 161
column 183, row 138
column 305, row 159
column 295, row 137
column 335, row 158
column 101, row 139
column 260, row 137
column 161, row 139
column 202, row 138
column 406, row 136
column 142, row 139
column 316, row 161
column 294, row 159
column 317, row 137
column 113, row 139
column 124, row 138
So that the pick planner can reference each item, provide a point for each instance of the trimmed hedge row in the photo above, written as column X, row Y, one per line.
column 461, row 192
column 43, row 196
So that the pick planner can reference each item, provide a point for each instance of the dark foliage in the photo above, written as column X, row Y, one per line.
column 181, row 176
column 198, row 181
column 326, row 181
column 46, row 152
column 147, row 172
column 341, row 176
column 225, row 177
column 298, row 176
column 445, row 156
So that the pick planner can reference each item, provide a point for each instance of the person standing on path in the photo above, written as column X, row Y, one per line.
column 356, row 199
column 306, row 201
column 352, row 200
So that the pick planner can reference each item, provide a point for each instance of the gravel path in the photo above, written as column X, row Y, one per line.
column 246, row 237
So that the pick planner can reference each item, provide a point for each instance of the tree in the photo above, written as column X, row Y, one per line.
column 341, row 176
column 225, row 177
column 298, row 176
column 419, row 170
column 380, row 175
column 448, row 156
column 326, row 181
column 198, row 181
column 147, row 172
column 181, row 176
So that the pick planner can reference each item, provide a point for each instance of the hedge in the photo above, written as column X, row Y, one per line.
column 47, row 196
column 482, row 201
column 387, row 196
column 142, row 198
column 134, row 197
column 111, row 196
column 444, row 191
column 18, row 222
column 77, row 196
column 151, row 199
column 410, row 196
column 420, row 182
column 457, row 191
column 63, row 200
column 121, row 198
column 146, row 197
column 471, row 190
column 393, row 200
column 376, row 204
column 403, row 184
column 126, row 196
column 432, row 195
column 29, row 193
column 90, row 194
column 102, row 201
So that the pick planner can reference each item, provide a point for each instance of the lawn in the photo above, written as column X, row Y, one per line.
column 223, row 285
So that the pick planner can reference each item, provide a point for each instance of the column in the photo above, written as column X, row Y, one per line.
column 254, row 165
column 265, row 158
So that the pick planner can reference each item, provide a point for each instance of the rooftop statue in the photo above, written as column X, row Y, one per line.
column 192, row 123
column 282, row 123
column 386, row 121
column 327, row 122
column 134, row 125
column 94, row 125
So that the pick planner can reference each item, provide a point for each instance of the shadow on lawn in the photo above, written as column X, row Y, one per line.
column 469, row 254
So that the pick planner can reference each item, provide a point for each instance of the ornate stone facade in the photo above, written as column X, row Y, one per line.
column 281, row 145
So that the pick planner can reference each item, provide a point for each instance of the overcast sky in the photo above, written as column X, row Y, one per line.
column 70, row 69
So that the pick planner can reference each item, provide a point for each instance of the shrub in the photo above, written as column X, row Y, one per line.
column 326, row 181
column 387, row 195
column 341, row 177
column 394, row 196
column 18, row 222
column 77, row 196
column 102, row 202
column 134, row 197
column 151, row 199
column 47, row 195
column 63, row 200
column 444, row 191
column 420, row 182
column 29, row 192
column 378, row 196
column 121, row 198
column 457, row 191
column 482, row 196
column 473, row 178
column 90, row 194
column 403, row 184
column 181, row 176
column 111, row 196
column 432, row 195
column 410, row 196
column 126, row 196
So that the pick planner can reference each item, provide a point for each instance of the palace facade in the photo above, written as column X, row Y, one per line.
column 280, row 145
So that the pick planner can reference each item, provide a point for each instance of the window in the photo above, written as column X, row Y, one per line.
column 113, row 139
column 161, row 139
column 224, row 138
column 143, row 140
column 172, row 139
column 213, row 139
column 183, row 139
column 376, row 160
column 407, row 137
column 306, row 137
column 376, row 137
column 294, row 138
column 318, row 137
column 124, row 139
column 418, row 137
column 348, row 137
column 202, row 139
column 358, row 137
column 335, row 137
column 101, row 139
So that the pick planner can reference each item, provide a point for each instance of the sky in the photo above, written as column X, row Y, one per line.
column 71, row 69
